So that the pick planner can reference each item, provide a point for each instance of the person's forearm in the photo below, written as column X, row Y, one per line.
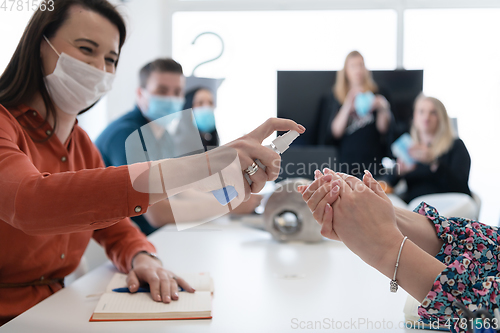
column 419, row 229
column 189, row 206
column 160, row 214
column 417, row 269
column 339, row 123
column 168, row 177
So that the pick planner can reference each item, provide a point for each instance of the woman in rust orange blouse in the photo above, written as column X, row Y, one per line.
column 55, row 193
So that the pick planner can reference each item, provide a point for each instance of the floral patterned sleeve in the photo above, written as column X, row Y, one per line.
column 471, row 252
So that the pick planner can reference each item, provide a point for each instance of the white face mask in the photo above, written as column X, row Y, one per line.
column 75, row 85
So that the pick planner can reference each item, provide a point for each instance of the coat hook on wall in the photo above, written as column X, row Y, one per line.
column 209, row 60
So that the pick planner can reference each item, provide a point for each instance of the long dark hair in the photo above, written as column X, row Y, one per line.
column 23, row 77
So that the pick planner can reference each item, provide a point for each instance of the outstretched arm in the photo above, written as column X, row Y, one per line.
column 165, row 178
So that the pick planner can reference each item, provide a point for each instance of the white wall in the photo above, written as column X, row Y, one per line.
column 145, row 38
column 12, row 26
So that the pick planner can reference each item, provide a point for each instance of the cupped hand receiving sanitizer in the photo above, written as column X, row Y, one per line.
column 360, row 214
column 343, row 205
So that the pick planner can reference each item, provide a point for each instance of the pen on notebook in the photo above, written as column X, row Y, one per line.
column 125, row 290
column 140, row 290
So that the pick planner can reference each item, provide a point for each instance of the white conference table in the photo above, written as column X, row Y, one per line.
column 260, row 286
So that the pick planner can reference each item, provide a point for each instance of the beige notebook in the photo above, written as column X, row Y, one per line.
column 114, row 306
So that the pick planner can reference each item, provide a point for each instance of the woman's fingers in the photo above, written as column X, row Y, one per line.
column 251, row 145
column 327, row 224
column 258, row 179
column 182, row 283
column 328, row 199
column 313, row 187
column 335, row 175
column 169, row 286
column 318, row 195
column 275, row 124
column 165, row 287
column 132, row 282
column 328, row 171
column 250, row 150
column 163, row 284
column 174, row 290
column 327, row 190
column 301, row 188
column 327, row 216
column 245, row 162
column 349, row 183
column 375, row 186
column 270, row 159
column 153, row 280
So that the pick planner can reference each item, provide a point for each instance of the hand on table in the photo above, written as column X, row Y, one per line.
column 162, row 283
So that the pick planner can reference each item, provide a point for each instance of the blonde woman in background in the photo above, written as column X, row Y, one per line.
column 360, row 135
column 442, row 160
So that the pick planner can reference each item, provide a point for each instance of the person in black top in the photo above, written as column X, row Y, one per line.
column 356, row 117
column 442, row 161
column 201, row 100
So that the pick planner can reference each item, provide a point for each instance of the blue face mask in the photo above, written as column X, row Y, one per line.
column 363, row 103
column 204, row 118
column 161, row 106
